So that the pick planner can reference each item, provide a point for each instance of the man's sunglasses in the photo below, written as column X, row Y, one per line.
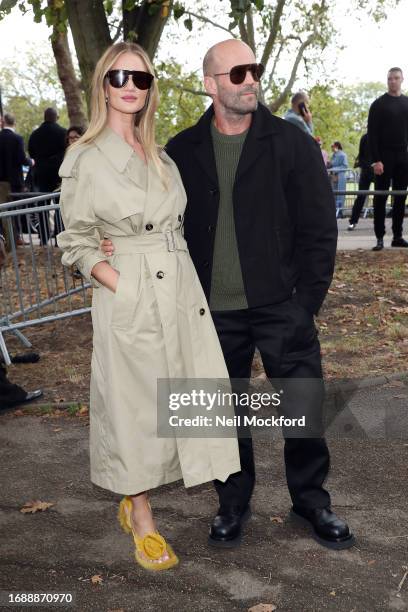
column 119, row 78
column 237, row 74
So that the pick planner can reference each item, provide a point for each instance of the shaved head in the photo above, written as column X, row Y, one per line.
column 223, row 52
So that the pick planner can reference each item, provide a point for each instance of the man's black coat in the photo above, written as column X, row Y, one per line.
column 47, row 146
column 284, row 209
column 12, row 158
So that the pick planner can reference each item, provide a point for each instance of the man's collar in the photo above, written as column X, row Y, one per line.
column 117, row 150
column 8, row 127
column 260, row 127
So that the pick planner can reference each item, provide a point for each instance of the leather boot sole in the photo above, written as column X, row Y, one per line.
column 235, row 542
column 332, row 544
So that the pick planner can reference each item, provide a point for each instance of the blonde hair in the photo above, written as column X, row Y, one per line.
column 144, row 119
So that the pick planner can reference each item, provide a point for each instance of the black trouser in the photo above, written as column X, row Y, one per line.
column 366, row 178
column 286, row 337
column 395, row 171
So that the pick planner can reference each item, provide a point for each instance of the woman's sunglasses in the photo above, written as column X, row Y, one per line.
column 119, row 78
column 237, row 74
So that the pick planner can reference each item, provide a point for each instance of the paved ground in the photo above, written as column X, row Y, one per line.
column 59, row 550
column 363, row 236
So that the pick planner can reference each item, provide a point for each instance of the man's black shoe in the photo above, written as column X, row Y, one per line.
column 379, row 246
column 30, row 397
column 226, row 528
column 399, row 242
column 327, row 528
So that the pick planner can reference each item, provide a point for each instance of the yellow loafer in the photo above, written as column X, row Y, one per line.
column 149, row 548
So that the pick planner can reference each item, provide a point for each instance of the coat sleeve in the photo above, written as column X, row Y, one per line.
column 83, row 231
column 316, row 225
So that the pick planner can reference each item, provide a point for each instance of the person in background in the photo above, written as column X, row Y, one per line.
column 74, row 133
column 12, row 160
column 325, row 154
column 388, row 146
column 338, row 165
column 365, row 180
column 300, row 114
column 46, row 146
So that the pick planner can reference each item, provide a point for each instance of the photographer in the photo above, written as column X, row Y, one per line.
column 300, row 114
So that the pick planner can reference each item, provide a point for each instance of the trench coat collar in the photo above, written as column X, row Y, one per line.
column 263, row 124
column 114, row 148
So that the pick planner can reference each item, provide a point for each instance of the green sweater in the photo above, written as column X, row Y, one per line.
column 227, row 286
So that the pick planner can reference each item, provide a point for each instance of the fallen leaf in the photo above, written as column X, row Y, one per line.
column 83, row 410
column 57, row 429
column 332, row 593
column 35, row 506
column 262, row 607
column 371, row 562
column 97, row 579
column 276, row 519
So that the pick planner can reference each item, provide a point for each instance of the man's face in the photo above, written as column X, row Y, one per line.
column 394, row 81
column 238, row 99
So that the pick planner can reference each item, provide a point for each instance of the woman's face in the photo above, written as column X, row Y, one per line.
column 127, row 99
column 73, row 136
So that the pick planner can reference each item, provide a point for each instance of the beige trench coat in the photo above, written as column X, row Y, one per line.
column 156, row 325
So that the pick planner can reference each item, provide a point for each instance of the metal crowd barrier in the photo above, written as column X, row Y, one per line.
column 35, row 287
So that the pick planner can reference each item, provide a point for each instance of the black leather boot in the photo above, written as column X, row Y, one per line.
column 379, row 246
column 327, row 528
column 226, row 528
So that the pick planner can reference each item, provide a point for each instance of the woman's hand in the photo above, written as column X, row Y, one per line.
column 107, row 247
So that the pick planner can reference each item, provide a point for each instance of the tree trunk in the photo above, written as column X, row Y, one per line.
column 144, row 23
column 90, row 31
column 67, row 76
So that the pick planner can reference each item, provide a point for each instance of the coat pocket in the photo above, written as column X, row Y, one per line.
column 125, row 301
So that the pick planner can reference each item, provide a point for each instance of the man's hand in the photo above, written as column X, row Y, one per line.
column 307, row 116
column 378, row 168
column 107, row 247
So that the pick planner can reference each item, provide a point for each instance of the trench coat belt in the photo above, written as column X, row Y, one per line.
column 170, row 241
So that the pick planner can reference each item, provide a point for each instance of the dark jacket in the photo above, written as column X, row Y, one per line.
column 12, row 158
column 363, row 160
column 47, row 146
column 283, row 209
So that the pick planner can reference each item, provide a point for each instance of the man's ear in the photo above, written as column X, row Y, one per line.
column 210, row 85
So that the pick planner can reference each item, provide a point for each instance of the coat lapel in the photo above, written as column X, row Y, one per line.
column 256, row 143
column 204, row 150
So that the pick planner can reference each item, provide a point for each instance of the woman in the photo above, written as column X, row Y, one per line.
column 74, row 133
column 338, row 166
column 149, row 313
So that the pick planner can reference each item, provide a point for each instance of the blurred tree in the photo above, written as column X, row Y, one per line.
column 26, row 93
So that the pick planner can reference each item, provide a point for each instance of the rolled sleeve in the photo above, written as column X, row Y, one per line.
column 83, row 231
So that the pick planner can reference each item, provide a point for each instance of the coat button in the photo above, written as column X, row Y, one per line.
column 214, row 192
column 179, row 217
column 160, row 274
column 209, row 228
column 206, row 264
column 202, row 311
column 149, row 227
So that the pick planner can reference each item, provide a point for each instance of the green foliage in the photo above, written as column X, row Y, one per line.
column 340, row 113
column 178, row 109
column 26, row 93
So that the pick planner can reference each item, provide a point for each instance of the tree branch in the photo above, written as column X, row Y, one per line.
column 273, row 33
column 250, row 29
column 207, row 20
column 284, row 94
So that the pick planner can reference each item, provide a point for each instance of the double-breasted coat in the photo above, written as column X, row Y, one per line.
column 156, row 325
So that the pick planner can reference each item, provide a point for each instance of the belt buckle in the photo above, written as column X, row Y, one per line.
column 171, row 242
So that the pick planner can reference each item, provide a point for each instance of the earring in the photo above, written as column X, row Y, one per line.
column 106, row 99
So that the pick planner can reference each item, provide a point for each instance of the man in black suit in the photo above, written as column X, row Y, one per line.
column 261, row 229
column 12, row 159
column 12, row 155
column 46, row 146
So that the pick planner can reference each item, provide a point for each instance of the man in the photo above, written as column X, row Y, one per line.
column 365, row 180
column 300, row 114
column 12, row 155
column 260, row 223
column 388, row 145
column 47, row 146
column 12, row 160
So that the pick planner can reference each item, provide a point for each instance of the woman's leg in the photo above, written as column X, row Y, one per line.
column 142, row 519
